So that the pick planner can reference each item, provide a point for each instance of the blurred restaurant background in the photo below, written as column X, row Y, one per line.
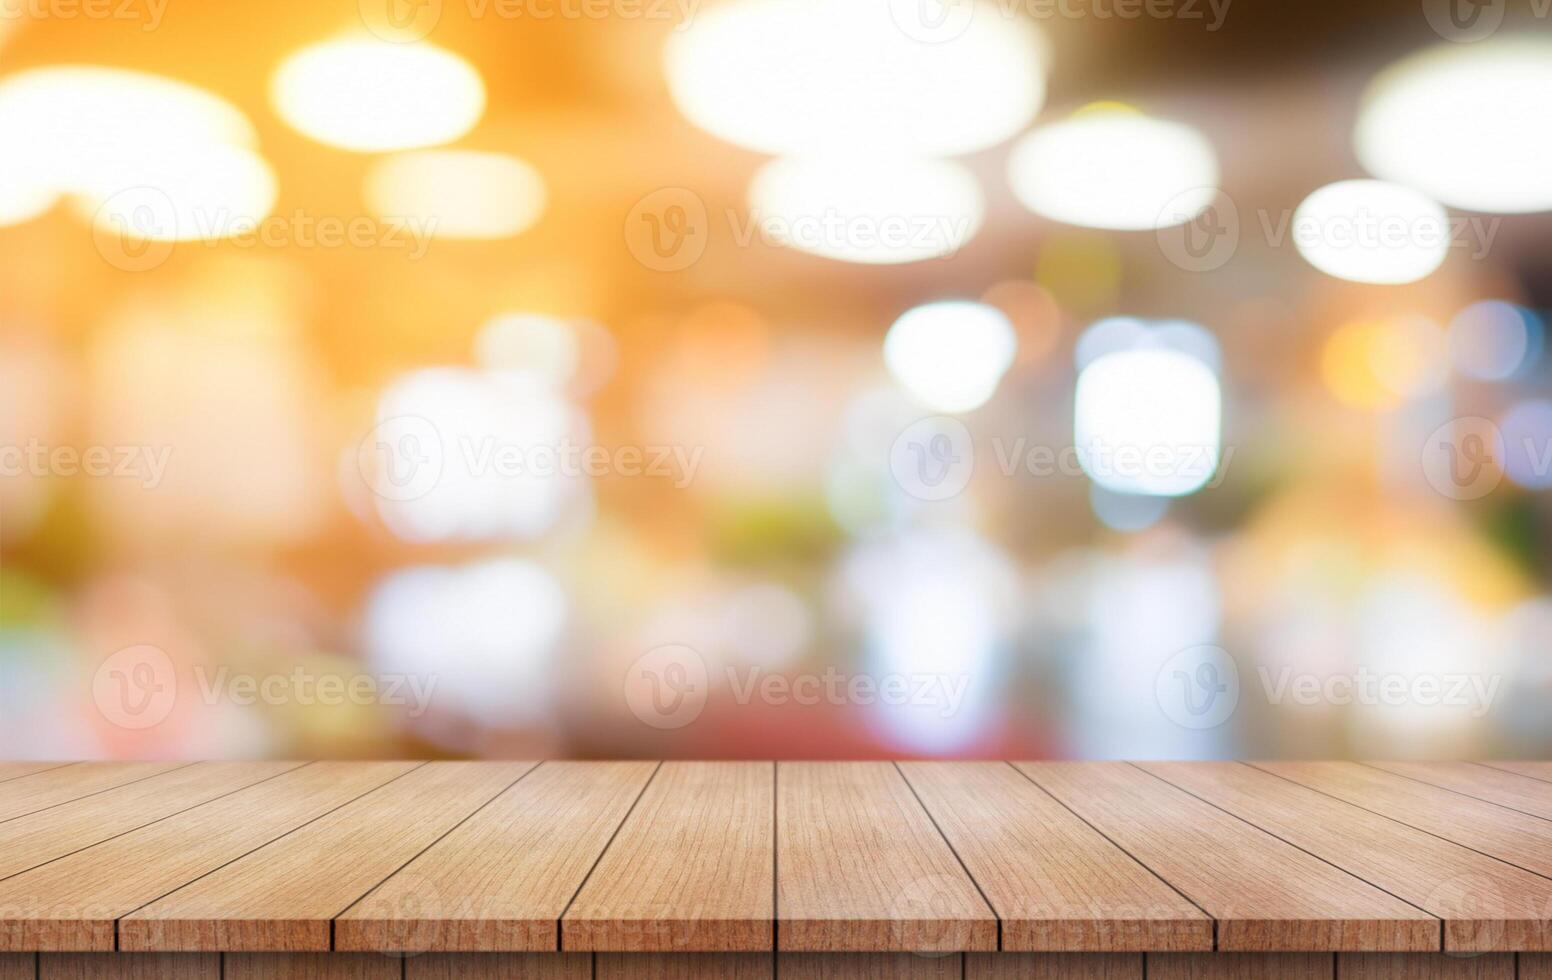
column 775, row 378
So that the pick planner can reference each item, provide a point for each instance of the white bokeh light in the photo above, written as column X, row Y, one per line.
column 814, row 77
column 370, row 95
column 1468, row 124
column 1371, row 231
column 867, row 211
column 1147, row 421
column 1114, row 169
column 458, row 193
column 1492, row 340
column 950, row 356
column 533, row 345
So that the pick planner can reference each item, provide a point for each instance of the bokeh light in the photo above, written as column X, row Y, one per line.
column 1527, row 439
column 545, row 349
column 1112, row 167
column 1371, row 231
column 950, row 356
column 370, row 95
column 1492, row 340
column 1468, row 124
column 457, row 193
column 790, row 77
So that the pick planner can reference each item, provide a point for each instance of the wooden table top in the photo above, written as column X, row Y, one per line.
column 761, row 856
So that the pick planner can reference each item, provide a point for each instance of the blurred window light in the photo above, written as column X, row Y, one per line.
column 544, row 348
column 1468, row 124
column 370, row 95
column 1492, row 340
column 1371, row 231
column 482, row 637
column 950, row 355
column 872, row 211
column 1126, row 512
column 1120, row 333
column 472, row 455
column 204, row 192
column 458, row 193
column 1146, row 421
column 1114, row 168
column 814, row 77
column 1527, row 440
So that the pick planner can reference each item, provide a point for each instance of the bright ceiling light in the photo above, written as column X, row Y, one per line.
column 1146, row 421
column 371, row 95
column 790, row 77
column 1114, row 168
column 1468, row 124
column 867, row 211
column 950, row 356
column 1371, row 231
column 458, row 193
column 205, row 192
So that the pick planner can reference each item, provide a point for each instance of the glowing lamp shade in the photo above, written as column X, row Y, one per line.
column 1371, row 231
column 371, row 95
column 950, row 356
column 458, row 193
column 811, row 77
column 867, row 211
column 1468, row 124
column 1114, row 169
column 1147, row 421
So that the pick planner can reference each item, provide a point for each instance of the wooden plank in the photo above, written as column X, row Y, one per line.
column 118, row 966
column 1486, row 827
column 37, row 838
column 16, row 770
column 1508, row 789
column 18, row 966
column 1485, row 904
column 860, row 866
column 1054, row 881
column 310, row 966
column 1535, row 966
column 502, row 879
column 1267, row 895
column 691, row 870
column 499, row 966
column 282, row 897
column 1053, row 966
column 871, row 966
column 1424, row 966
column 71, row 904
column 1535, row 770
column 684, row 966
column 52, row 787
column 1241, row 966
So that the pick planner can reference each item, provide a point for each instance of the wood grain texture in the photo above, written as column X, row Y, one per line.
column 18, row 966
column 1508, row 789
column 1506, row 834
column 501, row 880
column 1485, row 904
column 870, row 966
column 684, row 966
column 692, row 869
column 29, row 841
column 70, row 904
column 51, row 787
column 119, row 966
column 282, row 897
column 310, row 966
column 1535, row 966
column 1535, row 770
column 1267, row 895
column 1054, row 881
column 16, row 770
column 1053, row 966
column 1424, row 966
column 1241, row 966
column 499, row 966
column 860, row 866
